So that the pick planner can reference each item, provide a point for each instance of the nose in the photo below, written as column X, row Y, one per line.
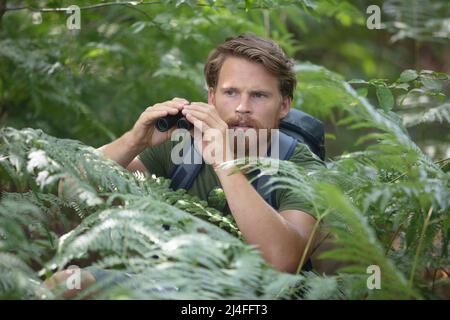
column 244, row 106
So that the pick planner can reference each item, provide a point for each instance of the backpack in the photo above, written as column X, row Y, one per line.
column 296, row 127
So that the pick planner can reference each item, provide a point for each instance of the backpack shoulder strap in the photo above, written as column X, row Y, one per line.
column 184, row 174
column 286, row 146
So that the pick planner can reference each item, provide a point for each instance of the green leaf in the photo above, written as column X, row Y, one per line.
column 408, row 75
column 385, row 98
column 362, row 91
column 330, row 136
column 248, row 4
column 432, row 84
column 403, row 86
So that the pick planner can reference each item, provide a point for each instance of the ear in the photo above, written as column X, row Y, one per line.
column 285, row 107
column 211, row 95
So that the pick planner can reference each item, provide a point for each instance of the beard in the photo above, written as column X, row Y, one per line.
column 246, row 136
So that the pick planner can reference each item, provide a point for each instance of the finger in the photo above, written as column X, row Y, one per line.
column 176, row 104
column 197, row 123
column 168, row 110
column 171, row 109
column 149, row 117
column 205, row 117
column 163, row 106
column 199, row 106
column 180, row 100
column 155, row 106
column 205, row 108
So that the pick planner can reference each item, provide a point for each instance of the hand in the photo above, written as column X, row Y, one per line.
column 59, row 281
column 144, row 133
column 215, row 146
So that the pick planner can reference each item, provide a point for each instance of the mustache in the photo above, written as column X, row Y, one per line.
column 243, row 122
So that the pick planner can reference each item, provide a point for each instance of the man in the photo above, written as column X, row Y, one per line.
column 250, row 87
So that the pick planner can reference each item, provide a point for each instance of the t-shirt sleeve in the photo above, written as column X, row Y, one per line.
column 289, row 200
column 157, row 159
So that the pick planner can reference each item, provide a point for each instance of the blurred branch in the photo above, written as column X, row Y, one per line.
column 2, row 8
column 139, row 10
column 130, row 4
column 93, row 6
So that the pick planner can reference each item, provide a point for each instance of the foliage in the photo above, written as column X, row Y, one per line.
column 389, row 192
column 117, row 220
column 383, row 197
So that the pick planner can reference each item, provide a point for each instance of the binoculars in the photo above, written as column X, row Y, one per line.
column 165, row 123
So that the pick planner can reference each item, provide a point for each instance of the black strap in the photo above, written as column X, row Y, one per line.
column 184, row 174
column 285, row 146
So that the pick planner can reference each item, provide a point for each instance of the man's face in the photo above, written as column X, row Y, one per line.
column 248, row 96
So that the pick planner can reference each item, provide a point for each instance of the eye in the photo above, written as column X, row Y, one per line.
column 229, row 93
column 259, row 95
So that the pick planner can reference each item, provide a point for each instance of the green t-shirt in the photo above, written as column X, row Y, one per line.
column 207, row 185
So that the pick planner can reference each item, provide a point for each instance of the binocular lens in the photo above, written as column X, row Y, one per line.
column 162, row 125
column 167, row 122
column 184, row 124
